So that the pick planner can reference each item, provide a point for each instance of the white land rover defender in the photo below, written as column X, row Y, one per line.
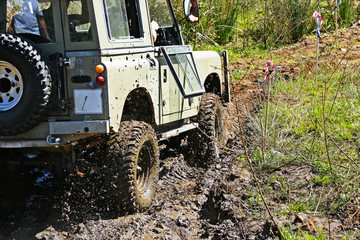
column 101, row 81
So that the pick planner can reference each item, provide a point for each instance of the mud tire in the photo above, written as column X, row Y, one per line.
column 25, row 85
column 206, row 141
column 135, row 152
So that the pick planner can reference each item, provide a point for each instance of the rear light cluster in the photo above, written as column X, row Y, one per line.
column 100, row 69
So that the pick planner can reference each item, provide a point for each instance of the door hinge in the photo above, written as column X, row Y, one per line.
column 64, row 61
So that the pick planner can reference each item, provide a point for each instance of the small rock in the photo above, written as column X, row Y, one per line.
column 245, row 175
column 51, row 233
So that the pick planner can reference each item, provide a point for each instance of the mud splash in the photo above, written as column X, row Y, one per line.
column 191, row 203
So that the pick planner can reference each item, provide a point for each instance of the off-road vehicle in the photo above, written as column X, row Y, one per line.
column 104, row 81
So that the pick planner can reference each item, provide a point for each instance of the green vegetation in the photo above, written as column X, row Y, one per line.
column 310, row 164
column 302, row 235
column 255, row 23
column 313, row 123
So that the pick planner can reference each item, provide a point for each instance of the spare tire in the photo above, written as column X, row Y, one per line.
column 25, row 85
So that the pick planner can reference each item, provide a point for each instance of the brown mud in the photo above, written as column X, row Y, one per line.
column 217, row 202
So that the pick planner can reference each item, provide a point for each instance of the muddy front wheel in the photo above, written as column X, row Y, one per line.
column 135, row 151
column 205, row 142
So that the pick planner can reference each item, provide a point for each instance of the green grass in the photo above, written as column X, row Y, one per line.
column 289, row 234
column 312, row 110
column 313, row 122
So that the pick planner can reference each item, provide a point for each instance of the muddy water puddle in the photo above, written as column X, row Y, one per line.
column 26, row 199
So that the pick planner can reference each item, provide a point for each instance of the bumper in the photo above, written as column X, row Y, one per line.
column 79, row 127
column 54, row 134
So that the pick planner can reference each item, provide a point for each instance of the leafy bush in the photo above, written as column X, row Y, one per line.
column 347, row 13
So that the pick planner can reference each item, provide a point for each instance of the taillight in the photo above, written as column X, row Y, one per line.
column 100, row 69
column 100, row 80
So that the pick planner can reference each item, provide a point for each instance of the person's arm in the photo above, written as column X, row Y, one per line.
column 194, row 14
column 192, row 18
column 154, row 28
column 41, row 20
column 44, row 27
column 11, row 29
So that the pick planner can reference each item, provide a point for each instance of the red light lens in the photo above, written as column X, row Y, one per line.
column 100, row 80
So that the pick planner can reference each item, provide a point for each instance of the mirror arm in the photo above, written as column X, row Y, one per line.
column 182, row 20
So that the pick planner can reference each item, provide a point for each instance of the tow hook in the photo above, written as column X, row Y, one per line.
column 51, row 140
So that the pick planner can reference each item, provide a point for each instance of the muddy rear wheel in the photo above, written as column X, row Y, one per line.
column 135, row 151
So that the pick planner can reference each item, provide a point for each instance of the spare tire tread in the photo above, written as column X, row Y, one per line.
column 36, row 74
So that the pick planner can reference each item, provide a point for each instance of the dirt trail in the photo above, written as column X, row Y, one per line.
column 300, row 57
column 219, row 202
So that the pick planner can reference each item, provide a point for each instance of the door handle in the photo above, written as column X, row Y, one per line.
column 151, row 60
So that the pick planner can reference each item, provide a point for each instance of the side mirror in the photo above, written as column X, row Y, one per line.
column 191, row 11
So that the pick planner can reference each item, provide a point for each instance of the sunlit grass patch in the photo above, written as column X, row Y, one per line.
column 312, row 121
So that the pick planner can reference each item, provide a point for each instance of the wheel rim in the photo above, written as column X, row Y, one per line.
column 11, row 86
column 144, row 168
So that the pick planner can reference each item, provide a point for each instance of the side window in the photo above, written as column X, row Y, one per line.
column 49, row 19
column 30, row 19
column 79, row 20
column 159, row 12
column 123, row 19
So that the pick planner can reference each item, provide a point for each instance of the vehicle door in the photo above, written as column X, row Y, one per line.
column 79, row 60
column 180, row 80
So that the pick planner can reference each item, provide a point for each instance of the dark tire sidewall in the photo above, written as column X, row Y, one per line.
column 124, row 150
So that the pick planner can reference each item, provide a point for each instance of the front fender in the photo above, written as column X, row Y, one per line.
column 208, row 63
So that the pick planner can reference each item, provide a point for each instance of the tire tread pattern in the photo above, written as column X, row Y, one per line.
column 203, row 143
column 123, row 148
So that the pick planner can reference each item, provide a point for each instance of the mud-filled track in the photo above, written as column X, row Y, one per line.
column 191, row 203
